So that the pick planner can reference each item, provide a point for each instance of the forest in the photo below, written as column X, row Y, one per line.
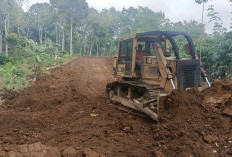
column 50, row 33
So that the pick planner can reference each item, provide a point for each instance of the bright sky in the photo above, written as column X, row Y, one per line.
column 175, row 10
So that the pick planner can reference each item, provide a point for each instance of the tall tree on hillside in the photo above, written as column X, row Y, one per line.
column 28, row 23
column 148, row 20
column 41, row 12
column 1, row 27
column 191, row 27
column 74, row 11
column 215, row 19
column 20, row 4
column 202, row 21
column 1, row 40
column 231, row 24
column 231, row 21
column 203, row 8
column 139, row 20
column 6, row 6
column 100, row 29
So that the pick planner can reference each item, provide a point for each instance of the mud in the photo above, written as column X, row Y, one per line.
column 65, row 114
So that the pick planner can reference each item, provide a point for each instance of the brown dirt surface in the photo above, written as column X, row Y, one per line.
column 194, row 123
column 65, row 114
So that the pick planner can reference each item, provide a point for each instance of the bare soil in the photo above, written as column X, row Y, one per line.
column 65, row 114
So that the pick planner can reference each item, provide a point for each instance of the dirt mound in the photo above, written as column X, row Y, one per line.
column 194, row 123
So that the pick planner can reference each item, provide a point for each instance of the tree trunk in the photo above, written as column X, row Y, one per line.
column 45, row 36
column 63, row 40
column 18, row 29
column 57, row 50
column 28, row 29
column 97, row 49
column 28, row 26
column 202, row 22
column 6, row 51
column 59, row 35
column 40, row 33
column 85, row 43
column 110, row 48
column 41, row 39
column 40, row 42
column 104, row 51
column 0, row 41
column 81, row 46
column 8, row 23
column 6, row 32
column 71, row 38
column 80, row 51
column 90, row 48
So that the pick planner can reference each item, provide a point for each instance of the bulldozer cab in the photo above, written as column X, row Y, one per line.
column 160, row 61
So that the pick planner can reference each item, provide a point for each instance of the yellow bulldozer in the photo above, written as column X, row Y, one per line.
column 148, row 66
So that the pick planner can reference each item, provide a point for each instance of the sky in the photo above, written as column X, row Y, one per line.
column 175, row 10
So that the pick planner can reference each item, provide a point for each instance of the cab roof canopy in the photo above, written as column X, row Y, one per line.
column 168, row 35
column 155, row 34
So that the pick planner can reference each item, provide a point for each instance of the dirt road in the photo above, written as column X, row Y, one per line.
column 65, row 114
column 68, row 109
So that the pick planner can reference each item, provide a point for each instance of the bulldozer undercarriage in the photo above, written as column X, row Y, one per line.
column 143, row 98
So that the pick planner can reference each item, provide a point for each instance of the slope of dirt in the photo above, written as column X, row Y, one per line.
column 65, row 114
column 68, row 109
column 194, row 123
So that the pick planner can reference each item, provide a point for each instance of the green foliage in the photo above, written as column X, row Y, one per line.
column 77, row 9
column 27, row 58
column 11, row 38
column 217, row 55
column 12, row 76
column 215, row 19
column 141, row 20
column 3, row 59
column 22, row 41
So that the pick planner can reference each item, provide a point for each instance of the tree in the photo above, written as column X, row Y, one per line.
column 41, row 12
column 148, row 20
column 135, row 20
column 215, row 19
column 5, row 7
column 19, row 4
column 0, row 41
column 1, row 29
column 74, row 11
column 202, row 21
column 231, row 22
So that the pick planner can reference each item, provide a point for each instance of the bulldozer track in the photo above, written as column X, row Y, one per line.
column 144, row 98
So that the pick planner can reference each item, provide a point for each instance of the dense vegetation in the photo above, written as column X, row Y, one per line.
column 49, row 33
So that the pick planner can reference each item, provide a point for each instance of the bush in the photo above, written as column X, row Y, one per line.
column 3, row 59
column 27, row 58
